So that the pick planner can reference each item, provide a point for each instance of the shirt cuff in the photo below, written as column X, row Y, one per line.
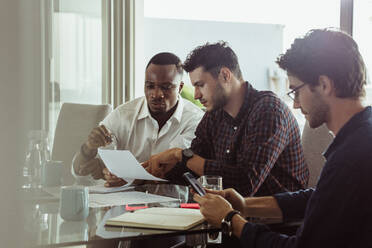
column 293, row 204
column 250, row 233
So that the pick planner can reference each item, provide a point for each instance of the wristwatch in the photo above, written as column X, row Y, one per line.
column 226, row 224
column 186, row 155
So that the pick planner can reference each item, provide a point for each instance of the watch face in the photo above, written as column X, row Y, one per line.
column 188, row 153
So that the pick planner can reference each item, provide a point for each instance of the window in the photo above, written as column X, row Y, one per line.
column 362, row 26
column 258, row 31
column 77, row 55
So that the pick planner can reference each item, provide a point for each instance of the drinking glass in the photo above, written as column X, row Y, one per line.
column 211, row 182
column 36, row 155
column 215, row 183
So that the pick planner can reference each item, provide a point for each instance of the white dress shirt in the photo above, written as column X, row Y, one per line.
column 137, row 131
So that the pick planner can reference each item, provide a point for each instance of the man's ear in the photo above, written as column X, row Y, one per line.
column 225, row 74
column 180, row 87
column 326, row 84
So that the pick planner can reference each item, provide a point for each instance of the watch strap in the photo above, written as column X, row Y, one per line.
column 230, row 215
column 186, row 158
column 227, row 221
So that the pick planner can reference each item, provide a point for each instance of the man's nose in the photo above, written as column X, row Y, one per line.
column 197, row 94
column 157, row 93
column 296, row 105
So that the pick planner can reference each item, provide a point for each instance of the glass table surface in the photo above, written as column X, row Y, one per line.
column 45, row 227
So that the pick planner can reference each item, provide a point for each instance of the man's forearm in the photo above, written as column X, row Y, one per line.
column 238, row 223
column 196, row 164
column 262, row 207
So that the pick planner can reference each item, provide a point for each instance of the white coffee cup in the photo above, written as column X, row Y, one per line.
column 74, row 203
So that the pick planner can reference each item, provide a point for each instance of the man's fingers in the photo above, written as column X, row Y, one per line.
column 107, row 175
column 89, row 167
column 199, row 199
column 97, row 132
column 99, row 136
column 148, row 169
column 106, row 133
column 115, row 183
column 97, row 174
column 104, row 129
column 105, row 171
column 212, row 191
column 216, row 192
column 145, row 164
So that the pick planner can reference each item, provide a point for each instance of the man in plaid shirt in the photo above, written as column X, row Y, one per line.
column 248, row 137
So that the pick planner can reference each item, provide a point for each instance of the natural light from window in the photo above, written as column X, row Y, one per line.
column 362, row 30
column 258, row 31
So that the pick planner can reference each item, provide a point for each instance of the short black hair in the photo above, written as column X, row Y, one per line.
column 166, row 58
column 212, row 57
column 328, row 52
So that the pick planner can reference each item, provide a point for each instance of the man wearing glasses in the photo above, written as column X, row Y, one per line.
column 327, row 76
column 248, row 137
column 293, row 94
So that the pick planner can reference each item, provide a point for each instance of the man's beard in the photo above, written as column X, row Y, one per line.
column 219, row 97
column 318, row 114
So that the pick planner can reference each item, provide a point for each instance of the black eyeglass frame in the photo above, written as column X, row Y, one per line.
column 293, row 94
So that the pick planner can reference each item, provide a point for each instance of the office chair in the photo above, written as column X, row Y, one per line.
column 75, row 121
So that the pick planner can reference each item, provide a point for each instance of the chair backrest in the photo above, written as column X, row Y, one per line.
column 315, row 142
column 75, row 121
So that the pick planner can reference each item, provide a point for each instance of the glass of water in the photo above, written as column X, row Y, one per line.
column 214, row 183
column 211, row 182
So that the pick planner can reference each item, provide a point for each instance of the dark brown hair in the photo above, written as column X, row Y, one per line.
column 327, row 52
column 212, row 57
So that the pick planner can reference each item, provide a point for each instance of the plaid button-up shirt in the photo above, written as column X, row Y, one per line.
column 257, row 153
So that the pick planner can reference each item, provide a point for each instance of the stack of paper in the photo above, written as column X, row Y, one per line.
column 101, row 189
column 126, row 198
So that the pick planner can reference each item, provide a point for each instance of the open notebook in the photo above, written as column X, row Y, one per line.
column 159, row 218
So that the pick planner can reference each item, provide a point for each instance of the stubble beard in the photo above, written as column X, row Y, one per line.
column 319, row 113
column 219, row 97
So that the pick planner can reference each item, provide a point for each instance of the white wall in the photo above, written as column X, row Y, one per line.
column 256, row 45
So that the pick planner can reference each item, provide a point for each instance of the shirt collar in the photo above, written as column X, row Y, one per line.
column 145, row 112
column 178, row 113
column 247, row 102
column 348, row 128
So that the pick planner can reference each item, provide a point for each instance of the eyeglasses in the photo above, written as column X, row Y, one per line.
column 293, row 94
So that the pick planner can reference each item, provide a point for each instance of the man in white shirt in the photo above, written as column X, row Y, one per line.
column 147, row 125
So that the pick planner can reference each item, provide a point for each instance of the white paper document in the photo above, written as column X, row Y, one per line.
column 124, row 198
column 101, row 189
column 123, row 164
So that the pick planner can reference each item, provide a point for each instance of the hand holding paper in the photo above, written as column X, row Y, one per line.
column 123, row 164
column 112, row 180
